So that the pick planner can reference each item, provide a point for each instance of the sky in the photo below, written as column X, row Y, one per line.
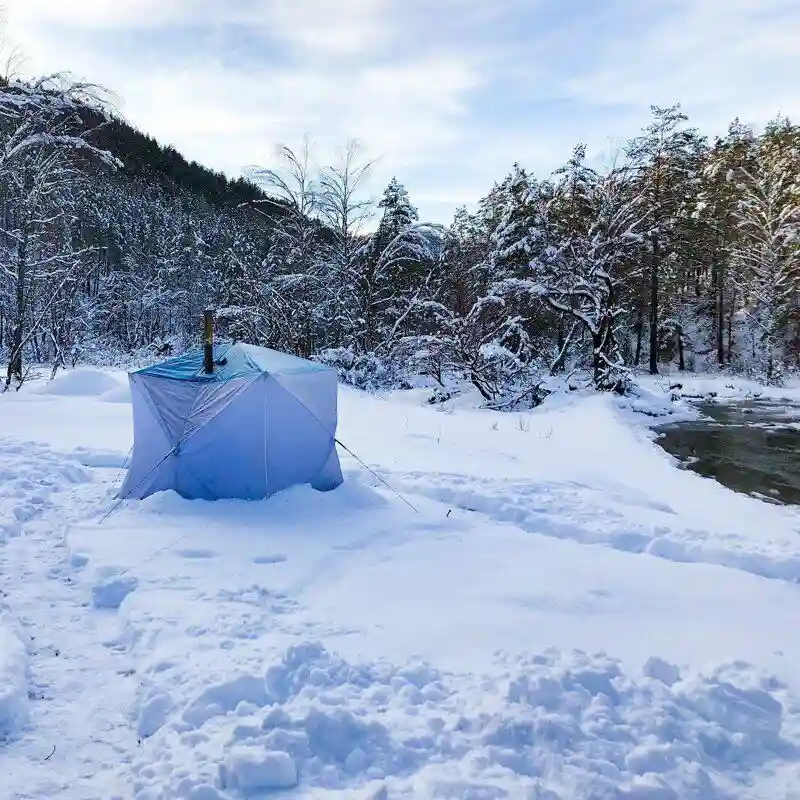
column 445, row 94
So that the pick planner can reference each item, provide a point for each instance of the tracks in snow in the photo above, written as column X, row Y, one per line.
column 613, row 516
column 80, row 690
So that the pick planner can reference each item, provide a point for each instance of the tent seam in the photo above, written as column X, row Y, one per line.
column 242, row 388
column 156, row 413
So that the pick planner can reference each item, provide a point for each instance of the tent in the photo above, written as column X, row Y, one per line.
column 260, row 422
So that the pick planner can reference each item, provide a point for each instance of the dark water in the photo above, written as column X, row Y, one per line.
column 751, row 446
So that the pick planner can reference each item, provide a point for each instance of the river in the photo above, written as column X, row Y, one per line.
column 750, row 446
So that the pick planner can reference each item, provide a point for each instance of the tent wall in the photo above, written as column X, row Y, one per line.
column 298, row 445
column 247, row 438
column 153, row 436
column 225, row 456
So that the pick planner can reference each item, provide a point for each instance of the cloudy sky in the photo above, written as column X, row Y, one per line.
column 446, row 93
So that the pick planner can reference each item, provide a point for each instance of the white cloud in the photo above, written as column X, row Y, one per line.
column 341, row 28
column 103, row 14
column 456, row 88
column 230, row 116
column 719, row 58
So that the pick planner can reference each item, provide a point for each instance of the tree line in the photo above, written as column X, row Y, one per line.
column 685, row 251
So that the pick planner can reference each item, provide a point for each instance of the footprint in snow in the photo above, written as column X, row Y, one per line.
column 195, row 553
column 273, row 559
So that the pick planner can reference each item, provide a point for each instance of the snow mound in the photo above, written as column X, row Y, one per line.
column 573, row 725
column 81, row 382
column 154, row 710
column 13, row 679
column 255, row 769
column 119, row 394
column 111, row 588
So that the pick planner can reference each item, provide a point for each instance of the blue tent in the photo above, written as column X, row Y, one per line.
column 260, row 422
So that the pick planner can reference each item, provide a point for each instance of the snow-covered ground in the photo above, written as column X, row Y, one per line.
column 562, row 614
column 724, row 387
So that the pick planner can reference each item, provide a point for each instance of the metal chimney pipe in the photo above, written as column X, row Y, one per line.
column 208, row 341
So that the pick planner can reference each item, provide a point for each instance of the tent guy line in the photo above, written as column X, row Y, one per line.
column 379, row 477
column 180, row 399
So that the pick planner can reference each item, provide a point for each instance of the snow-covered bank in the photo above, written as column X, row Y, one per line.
column 723, row 387
column 534, row 626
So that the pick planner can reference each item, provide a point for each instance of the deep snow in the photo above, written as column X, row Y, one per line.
column 566, row 614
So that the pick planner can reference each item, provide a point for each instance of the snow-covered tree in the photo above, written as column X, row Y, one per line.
column 295, row 251
column 717, row 231
column 344, row 211
column 767, row 253
column 394, row 264
column 42, row 133
column 581, row 248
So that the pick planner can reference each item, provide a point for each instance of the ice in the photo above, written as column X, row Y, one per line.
column 14, row 678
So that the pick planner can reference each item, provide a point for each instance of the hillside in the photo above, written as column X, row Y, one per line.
column 144, row 157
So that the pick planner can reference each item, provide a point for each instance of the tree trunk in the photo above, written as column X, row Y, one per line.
column 637, row 359
column 559, row 365
column 15, row 361
column 654, row 275
column 719, row 297
column 730, row 327
column 681, row 362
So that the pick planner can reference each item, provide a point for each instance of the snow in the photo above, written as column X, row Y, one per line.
column 724, row 387
column 117, row 394
column 13, row 678
column 563, row 614
column 110, row 589
column 248, row 768
column 82, row 382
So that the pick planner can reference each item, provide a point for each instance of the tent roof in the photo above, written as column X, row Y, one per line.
column 231, row 361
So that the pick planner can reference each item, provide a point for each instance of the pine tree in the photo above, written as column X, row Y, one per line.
column 717, row 233
column 666, row 159
column 396, row 262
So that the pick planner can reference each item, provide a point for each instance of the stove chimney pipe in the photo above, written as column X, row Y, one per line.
column 208, row 341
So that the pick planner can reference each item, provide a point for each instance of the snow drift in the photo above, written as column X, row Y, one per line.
column 81, row 382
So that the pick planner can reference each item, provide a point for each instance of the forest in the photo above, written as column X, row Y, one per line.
column 684, row 254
